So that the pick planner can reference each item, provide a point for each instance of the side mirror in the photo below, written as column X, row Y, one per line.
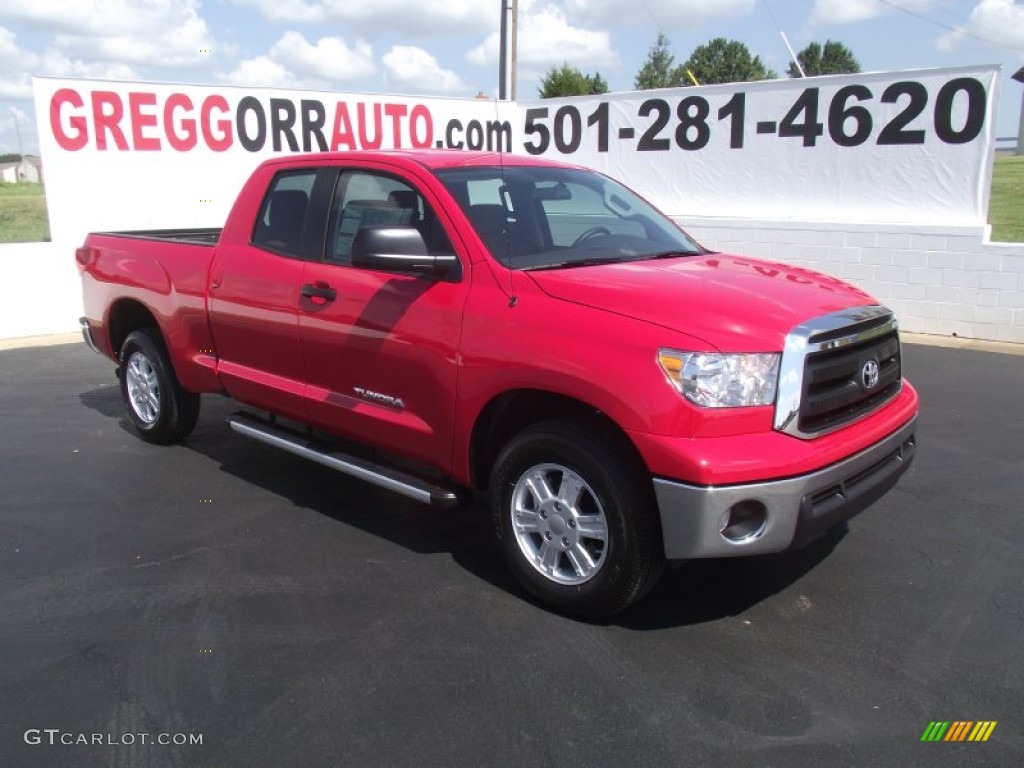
column 401, row 249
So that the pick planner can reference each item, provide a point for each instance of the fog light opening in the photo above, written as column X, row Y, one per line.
column 744, row 521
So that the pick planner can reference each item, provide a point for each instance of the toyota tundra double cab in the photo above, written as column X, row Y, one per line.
column 455, row 324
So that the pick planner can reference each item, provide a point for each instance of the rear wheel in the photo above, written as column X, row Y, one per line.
column 159, row 409
column 575, row 517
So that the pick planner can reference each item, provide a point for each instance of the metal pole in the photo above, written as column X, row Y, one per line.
column 1020, row 128
column 17, row 129
column 515, row 46
column 503, row 53
column 792, row 55
column 1019, row 77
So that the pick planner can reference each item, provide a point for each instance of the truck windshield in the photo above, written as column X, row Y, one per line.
column 535, row 217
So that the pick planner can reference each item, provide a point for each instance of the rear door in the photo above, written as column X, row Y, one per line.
column 380, row 348
column 256, row 292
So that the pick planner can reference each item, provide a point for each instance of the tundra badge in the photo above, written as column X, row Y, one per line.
column 380, row 399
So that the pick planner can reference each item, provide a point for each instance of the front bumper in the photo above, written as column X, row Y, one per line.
column 796, row 510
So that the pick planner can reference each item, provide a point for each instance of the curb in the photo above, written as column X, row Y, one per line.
column 50, row 340
column 955, row 342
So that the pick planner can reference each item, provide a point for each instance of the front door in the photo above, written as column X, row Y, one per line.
column 379, row 349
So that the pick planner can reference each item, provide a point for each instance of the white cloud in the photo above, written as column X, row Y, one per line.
column 294, row 11
column 685, row 14
column 847, row 11
column 414, row 70
column 261, row 71
column 168, row 33
column 183, row 48
column 294, row 62
column 56, row 64
column 330, row 58
column 15, row 87
column 10, row 53
column 19, row 65
column 53, row 63
column 546, row 37
column 374, row 17
column 98, row 17
column 1001, row 21
column 15, row 63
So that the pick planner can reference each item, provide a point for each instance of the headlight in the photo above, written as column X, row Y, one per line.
column 714, row 380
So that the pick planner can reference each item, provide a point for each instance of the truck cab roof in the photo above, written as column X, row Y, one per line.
column 431, row 159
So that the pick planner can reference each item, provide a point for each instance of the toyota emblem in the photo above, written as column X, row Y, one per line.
column 869, row 374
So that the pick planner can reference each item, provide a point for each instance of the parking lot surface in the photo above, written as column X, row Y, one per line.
column 289, row 616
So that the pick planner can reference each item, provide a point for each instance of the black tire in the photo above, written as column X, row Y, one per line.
column 577, row 572
column 159, row 409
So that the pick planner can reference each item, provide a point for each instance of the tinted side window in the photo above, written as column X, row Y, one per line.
column 364, row 199
column 279, row 225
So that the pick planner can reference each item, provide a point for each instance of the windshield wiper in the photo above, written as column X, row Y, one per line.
column 672, row 254
column 591, row 262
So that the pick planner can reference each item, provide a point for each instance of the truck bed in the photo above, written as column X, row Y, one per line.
column 196, row 236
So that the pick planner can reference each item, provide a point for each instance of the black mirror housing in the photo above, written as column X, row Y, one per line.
column 401, row 249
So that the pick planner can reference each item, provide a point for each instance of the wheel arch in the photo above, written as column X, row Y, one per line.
column 508, row 413
column 127, row 315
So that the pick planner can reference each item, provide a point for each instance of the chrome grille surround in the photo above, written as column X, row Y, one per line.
column 834, row 341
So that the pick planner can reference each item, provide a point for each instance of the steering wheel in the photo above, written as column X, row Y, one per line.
column 592, row 232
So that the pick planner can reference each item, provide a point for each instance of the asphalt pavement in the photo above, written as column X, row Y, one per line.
column 223, row 592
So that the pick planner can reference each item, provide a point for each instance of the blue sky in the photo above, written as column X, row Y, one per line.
column 449, row 47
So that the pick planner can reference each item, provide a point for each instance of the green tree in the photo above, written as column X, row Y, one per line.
column 569, row 81
column 833, row 58
column 657, row 71
column 10, row 158
column 725, row 61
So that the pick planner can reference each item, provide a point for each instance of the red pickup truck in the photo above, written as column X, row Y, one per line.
column 448, row 323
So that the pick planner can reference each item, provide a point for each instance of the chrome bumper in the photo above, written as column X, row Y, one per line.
column 796, row 510
column 87, row 335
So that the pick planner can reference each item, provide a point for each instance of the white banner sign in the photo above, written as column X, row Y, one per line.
column 905, row 147
column 908, row 147
column 149, row 156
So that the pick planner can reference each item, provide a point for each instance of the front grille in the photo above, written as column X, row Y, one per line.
column 836, row 369
column 834, row 390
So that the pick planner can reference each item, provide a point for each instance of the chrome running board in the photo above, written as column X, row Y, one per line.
column 309, row 447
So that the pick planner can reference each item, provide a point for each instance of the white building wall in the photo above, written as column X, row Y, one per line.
column 16, row 172
column 40, row 291
column 939, row 280
column 28, row 172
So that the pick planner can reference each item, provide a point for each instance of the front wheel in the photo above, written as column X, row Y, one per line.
column 574, row 515
column 159, row 409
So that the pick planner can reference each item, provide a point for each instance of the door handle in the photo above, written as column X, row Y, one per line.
column 319, row 290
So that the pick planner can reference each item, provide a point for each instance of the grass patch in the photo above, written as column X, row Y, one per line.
column 1006, row 206
column 23, row 213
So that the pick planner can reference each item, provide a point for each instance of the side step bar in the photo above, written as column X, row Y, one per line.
column 308, row 447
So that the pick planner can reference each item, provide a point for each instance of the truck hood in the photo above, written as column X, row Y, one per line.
column 733, row 303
